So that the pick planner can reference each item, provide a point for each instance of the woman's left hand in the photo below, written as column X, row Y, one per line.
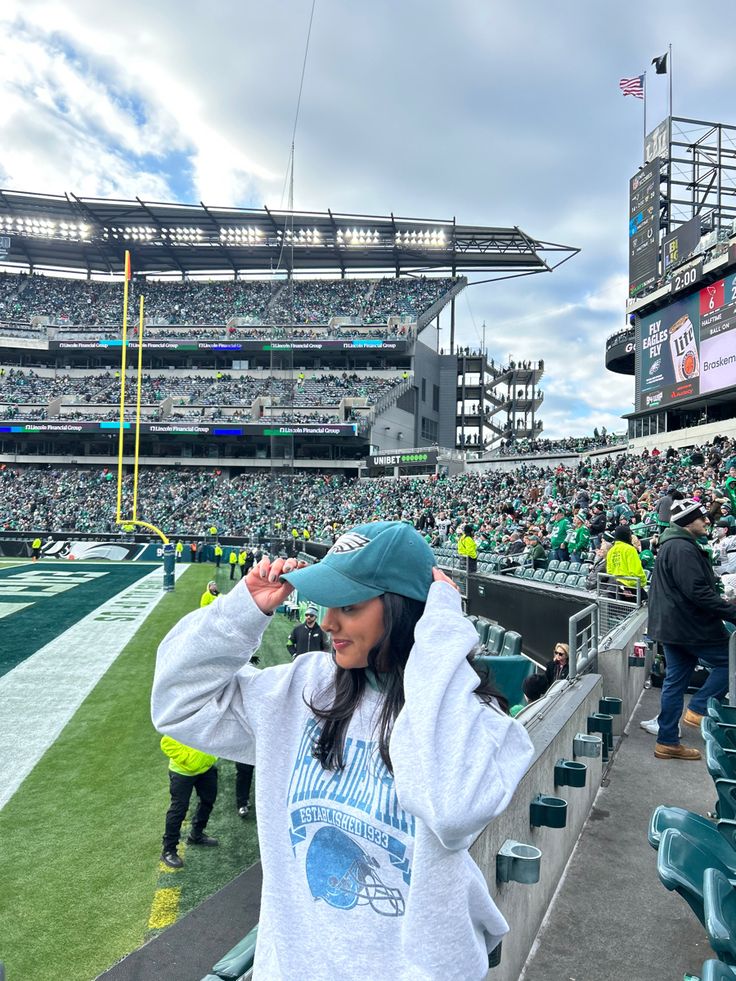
column 265, row 586
column 439, row 576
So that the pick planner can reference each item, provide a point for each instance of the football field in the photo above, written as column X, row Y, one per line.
column 84, row 789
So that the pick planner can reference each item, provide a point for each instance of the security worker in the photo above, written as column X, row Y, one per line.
column 179, row 549
column 466, row 548
column 35, row 549
column 232, row 562
column 218, row 554
column 210, row 594
column 308, row 636
column 242, row 557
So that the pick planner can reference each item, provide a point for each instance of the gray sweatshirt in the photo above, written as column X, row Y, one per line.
column 365, row 875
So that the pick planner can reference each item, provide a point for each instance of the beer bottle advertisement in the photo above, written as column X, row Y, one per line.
column 669, row 362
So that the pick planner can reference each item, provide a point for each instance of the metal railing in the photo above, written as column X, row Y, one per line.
column 616, row 600
column 583, row 636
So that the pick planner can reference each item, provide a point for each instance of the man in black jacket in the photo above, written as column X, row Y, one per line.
column 686, row 614
column 597, row 525
column 308, row 636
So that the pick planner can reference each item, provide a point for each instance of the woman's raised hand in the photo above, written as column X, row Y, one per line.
column 265, row 586
column 439, row 576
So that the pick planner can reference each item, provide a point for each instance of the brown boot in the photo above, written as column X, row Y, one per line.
column 680, row 752
column 692, row 719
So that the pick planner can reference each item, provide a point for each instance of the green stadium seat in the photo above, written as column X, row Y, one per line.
column 696, row 827
column 719, row 901
column 723, row 735
column 496, row 634
column 538, row 574
column 560, row 578
column 473, row 618
column 563, row 566
column 664, row 817
column 238, row 960
column 528, row 573
column 681, row 865
column 511, row 644
column 553, row 565
column 508, row 674
column 574, row 567
column 572, row 579
column 717, row 971
column 586, row 567
column 549, row 575
column 721, row 713
column 483, row 627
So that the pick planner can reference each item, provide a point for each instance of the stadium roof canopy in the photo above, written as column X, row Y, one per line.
column 71, row 234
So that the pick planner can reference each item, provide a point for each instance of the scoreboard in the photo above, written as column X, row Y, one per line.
column 688, row 348
column 644, row 228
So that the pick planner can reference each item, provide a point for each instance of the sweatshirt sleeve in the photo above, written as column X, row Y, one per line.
column 205, row 694
column 456, row 760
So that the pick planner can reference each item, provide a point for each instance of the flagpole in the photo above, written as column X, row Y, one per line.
column 670, row 47
column 644, row 143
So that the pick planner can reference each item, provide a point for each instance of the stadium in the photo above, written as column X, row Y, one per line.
column 191, row 393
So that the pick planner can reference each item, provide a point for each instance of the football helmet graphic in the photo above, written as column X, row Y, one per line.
column 341, row 873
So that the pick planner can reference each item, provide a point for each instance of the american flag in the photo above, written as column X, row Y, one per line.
column 633, row 86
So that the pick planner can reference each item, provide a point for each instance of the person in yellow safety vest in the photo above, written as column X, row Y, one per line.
column 210, row 594
column 35, row 549
column 466, row 548
column 218, row 555
column 232, row 562
column 623, row 561
column 179, row 549
column 306, row 534
column 188, row 770
column 242, row 556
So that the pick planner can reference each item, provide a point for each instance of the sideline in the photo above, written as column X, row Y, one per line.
column 40, row 695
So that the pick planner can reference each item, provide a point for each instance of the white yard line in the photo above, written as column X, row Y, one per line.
column 40, row 695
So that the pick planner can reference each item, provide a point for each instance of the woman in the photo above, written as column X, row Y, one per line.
column 559, row 666
column 378, row 767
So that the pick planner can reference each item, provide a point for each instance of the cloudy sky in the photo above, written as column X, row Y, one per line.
column 495, row 113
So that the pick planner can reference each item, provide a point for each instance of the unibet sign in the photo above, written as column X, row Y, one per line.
column 403, row 459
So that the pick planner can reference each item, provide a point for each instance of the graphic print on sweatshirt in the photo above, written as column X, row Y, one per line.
column 348, row 829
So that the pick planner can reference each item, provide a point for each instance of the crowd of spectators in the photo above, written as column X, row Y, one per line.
column 510, row 512
column 572, row 444
column 87, row 303
column 19, row 387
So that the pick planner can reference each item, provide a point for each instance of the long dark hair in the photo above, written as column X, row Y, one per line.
column 334, row 705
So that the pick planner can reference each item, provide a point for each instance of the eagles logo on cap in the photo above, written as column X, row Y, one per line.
column 349, row 542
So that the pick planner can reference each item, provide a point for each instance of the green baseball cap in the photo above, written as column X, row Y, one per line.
column 371, row 559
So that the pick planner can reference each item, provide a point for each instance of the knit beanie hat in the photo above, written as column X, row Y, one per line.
column 686, row 511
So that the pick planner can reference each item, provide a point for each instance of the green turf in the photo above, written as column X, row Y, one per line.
column 82, row 837
column 28, row 630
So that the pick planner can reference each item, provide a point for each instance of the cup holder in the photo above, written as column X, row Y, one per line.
column 611, row 706
column 587, row 745
column 517, row 862
column 602, row 723
column 568, row 773
column 548, row 812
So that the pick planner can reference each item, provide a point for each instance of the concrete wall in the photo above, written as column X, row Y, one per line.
column 620, row 680
column 525, row 906
column 684, row 437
